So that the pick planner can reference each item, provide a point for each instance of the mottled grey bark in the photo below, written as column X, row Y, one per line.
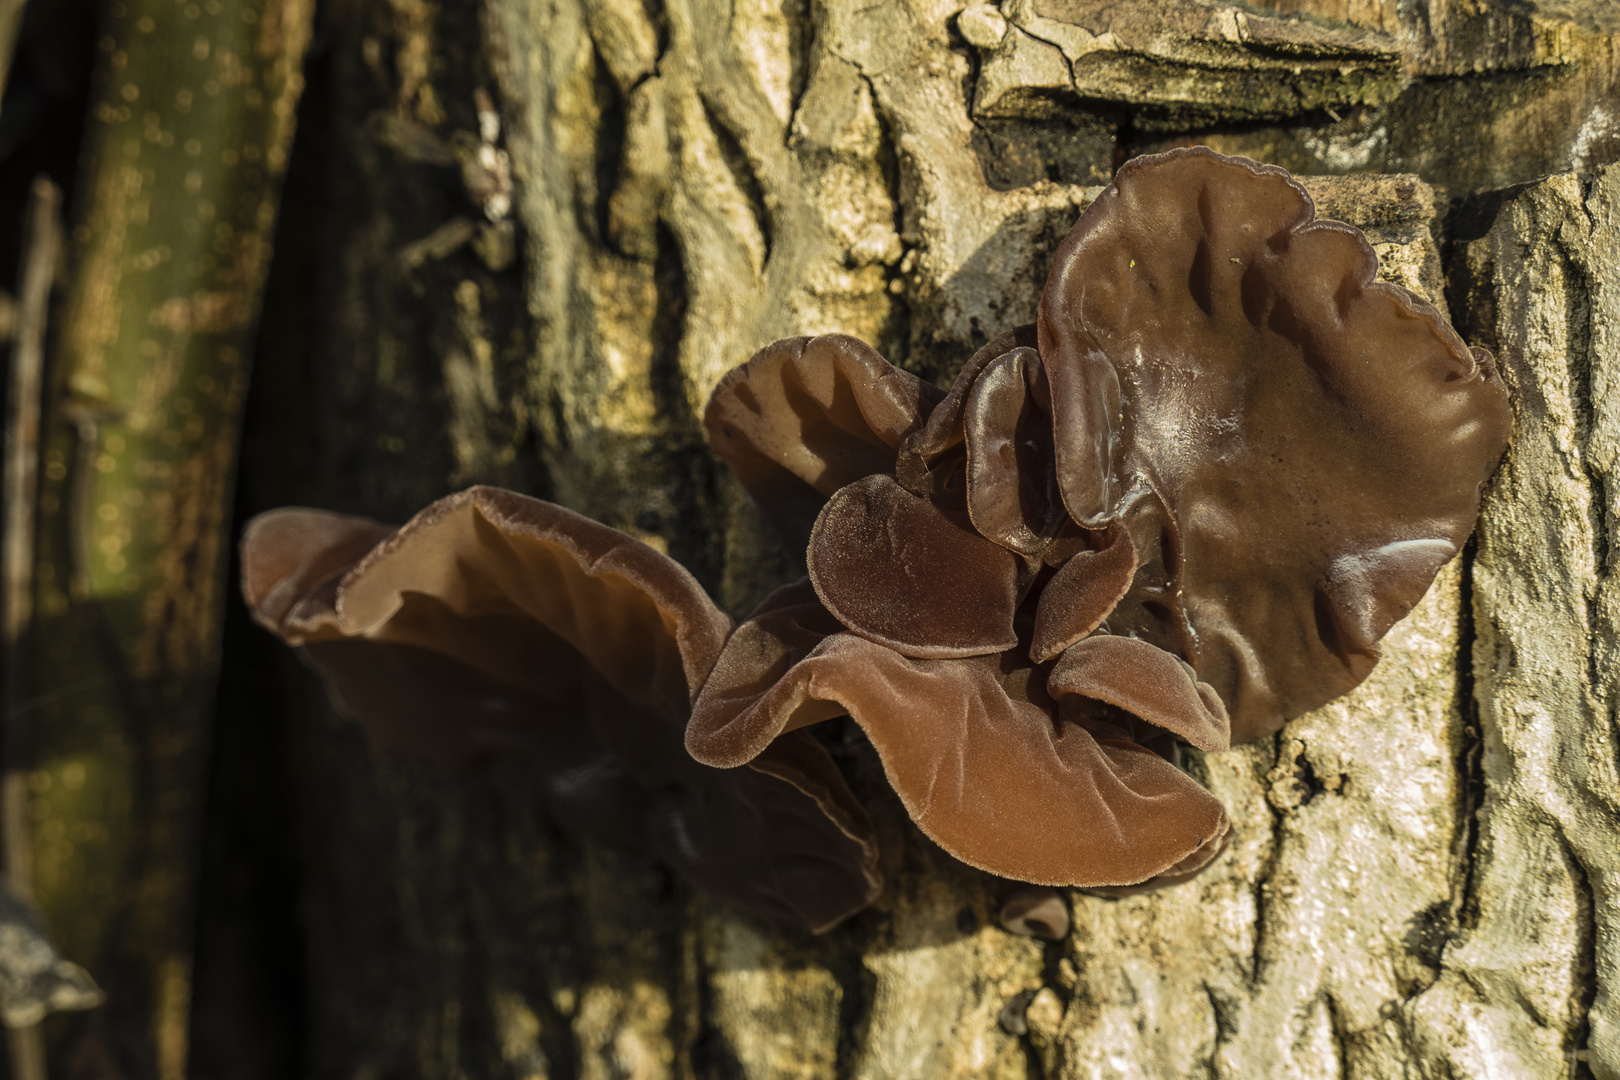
column 524, row 241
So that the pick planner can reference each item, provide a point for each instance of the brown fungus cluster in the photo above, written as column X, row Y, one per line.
column 512, row 639
column 1183, row 507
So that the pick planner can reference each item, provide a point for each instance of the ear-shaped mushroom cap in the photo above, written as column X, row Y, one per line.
column 972, row 747
column 1081, row 594
column 805, row 416
column 727, row 728
column 1146, row 682
column 633, row 614
column 933, row 459
column 556, row 657
column 895, row 568
column 1319, row 438
column 295, row 551
column 1038, row 912
column 1012, row 493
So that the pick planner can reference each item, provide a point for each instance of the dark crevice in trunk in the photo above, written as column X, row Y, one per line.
column 1585, row 960
column 801, row 31
column 1341, row 1037
column 711, row 1054
column 594, row 211
column 694, row 541
column 1473, row 312
column 251, row 1004
column 1465, row 912
column 897, row 341
column 858, row 986
column 1584, row 367
column 742, row 172
column 1227, row 1013
column 1262, row 880
column 656, row 15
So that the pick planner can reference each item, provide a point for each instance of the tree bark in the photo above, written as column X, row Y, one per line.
column 520, row 245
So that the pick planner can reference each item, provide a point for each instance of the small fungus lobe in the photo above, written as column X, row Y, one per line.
column 1180, row 509
column 1035, row 912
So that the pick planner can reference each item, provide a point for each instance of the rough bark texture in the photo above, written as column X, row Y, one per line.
column 1535, row 965
column 523, row 241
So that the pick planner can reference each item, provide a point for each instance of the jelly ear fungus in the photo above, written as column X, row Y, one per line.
column 1181, row 508
column 1317, row 439
column 514, row 640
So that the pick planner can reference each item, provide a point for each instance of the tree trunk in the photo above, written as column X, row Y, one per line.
column 520, row 244
column 187, row 137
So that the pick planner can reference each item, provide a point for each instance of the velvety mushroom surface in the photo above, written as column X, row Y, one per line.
column 1179, row 510
column 512, row 639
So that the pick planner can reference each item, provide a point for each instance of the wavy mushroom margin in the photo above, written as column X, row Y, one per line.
column 1180, row 508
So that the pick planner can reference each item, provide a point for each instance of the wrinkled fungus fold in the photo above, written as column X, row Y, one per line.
column 1180, row 509
column 806, row 416
column 1206, row 339
column 1221, row 465
column 517, row 641
column 980, row 762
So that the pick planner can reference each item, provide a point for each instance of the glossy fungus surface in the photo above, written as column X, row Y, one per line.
column 1316, row 439
column 1181, row 508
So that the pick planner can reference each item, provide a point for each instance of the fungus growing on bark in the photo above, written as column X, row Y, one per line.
column 1182, row 508
column 556, row 657
column 1037, row 913
column 1311, row 441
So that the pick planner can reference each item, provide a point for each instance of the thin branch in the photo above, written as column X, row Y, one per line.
column 42, row 249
